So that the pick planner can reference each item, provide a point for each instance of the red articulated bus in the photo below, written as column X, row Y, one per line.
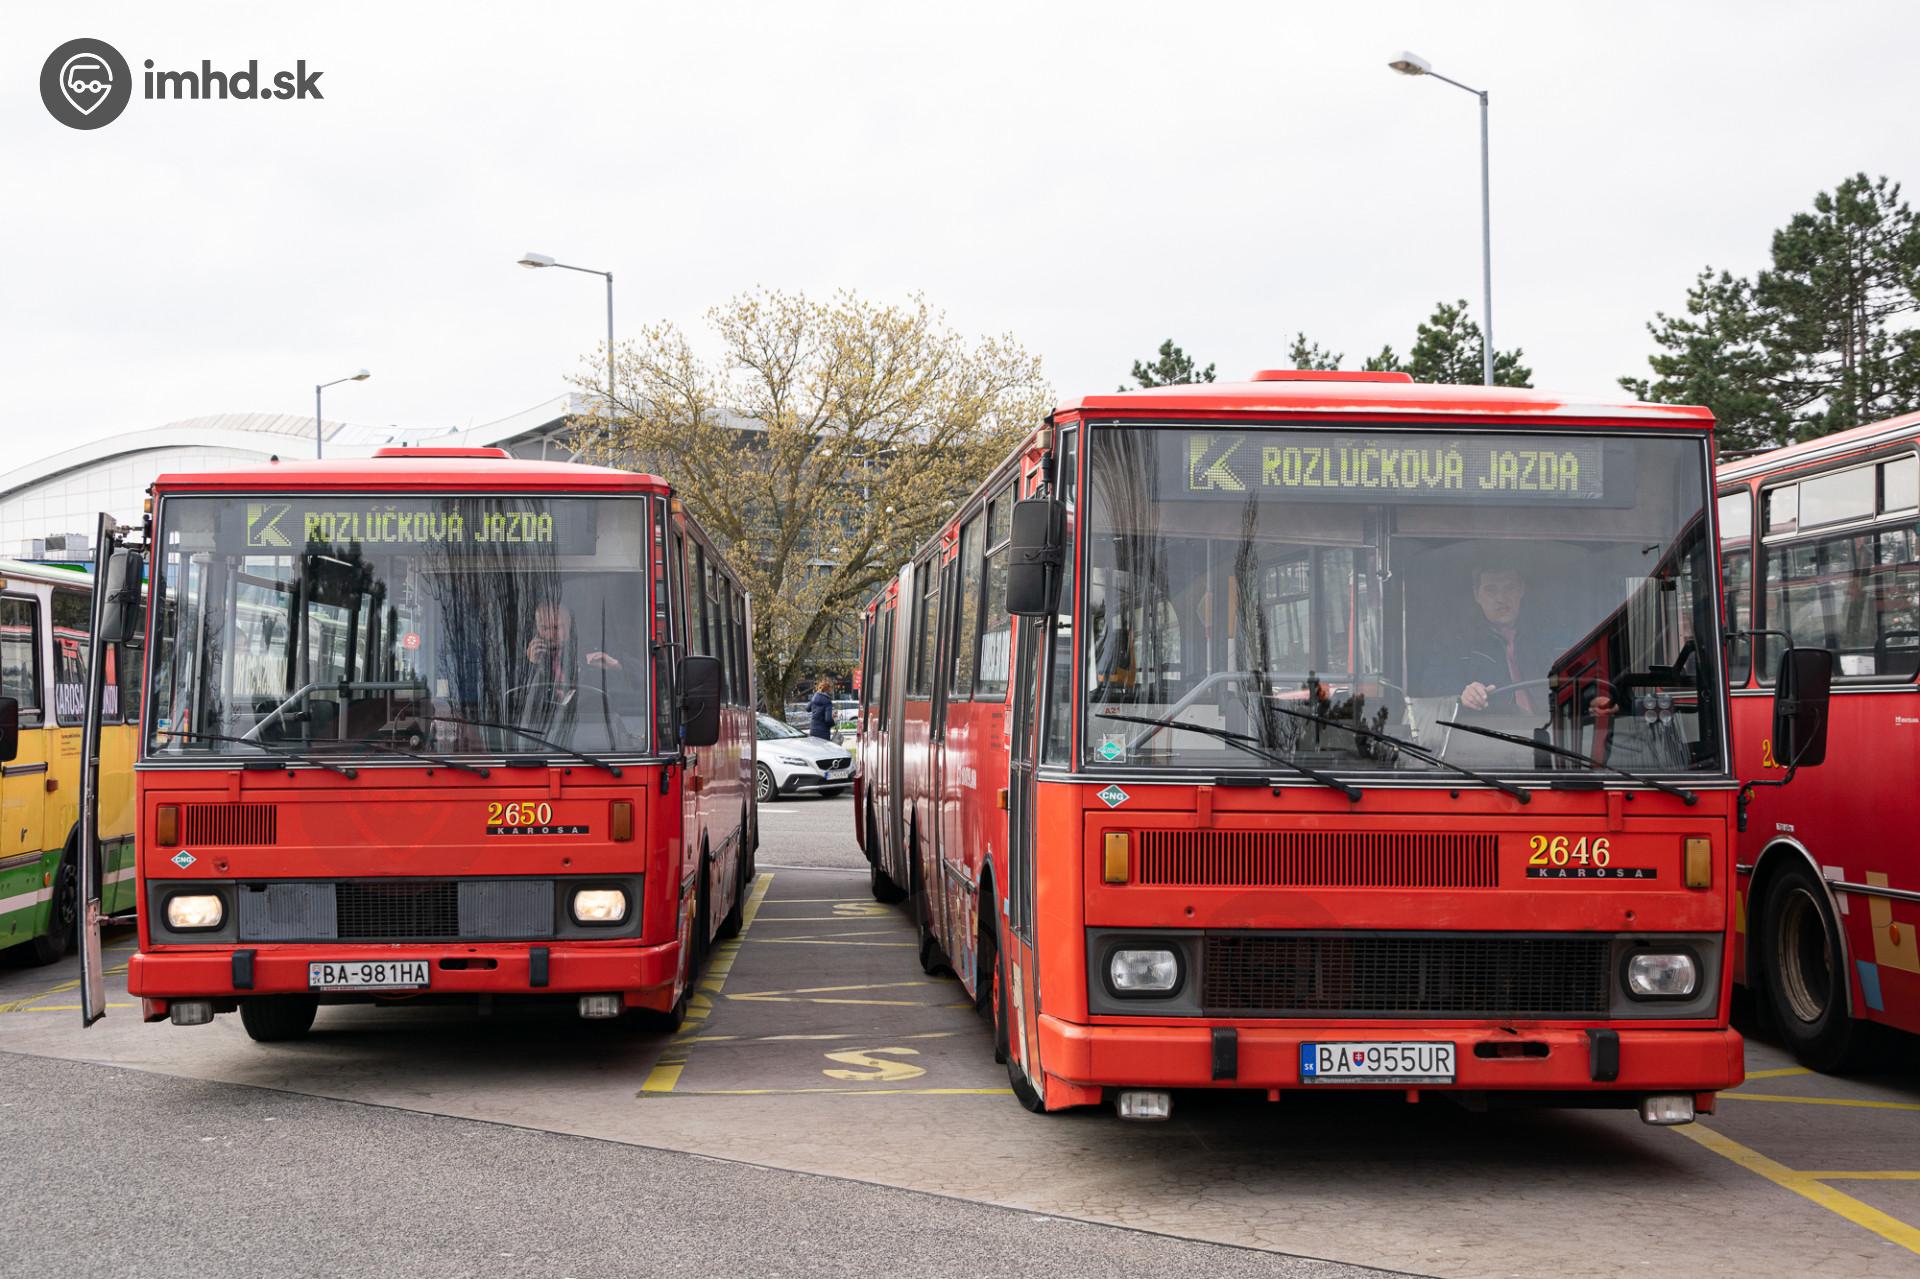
column 1324, row 730
column 438, row 725
column 1821, row 547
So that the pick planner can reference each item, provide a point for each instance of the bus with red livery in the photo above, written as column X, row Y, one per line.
column 1324, row 730
column 440, row 725
column 1821, row 547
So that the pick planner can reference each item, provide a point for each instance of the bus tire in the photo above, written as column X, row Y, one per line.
column 1023, row 1091
column 1804, row 987
column 271, row 1019
column 933, row 959
column 736, row 915
column 702, row 906
column 63, row 914
column 884, row 889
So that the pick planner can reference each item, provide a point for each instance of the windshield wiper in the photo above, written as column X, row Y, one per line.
column 271, row 749
column 1416, row 750
column 1248, row 743
column 430, row 757
column 1685, row 795
column 531, row 736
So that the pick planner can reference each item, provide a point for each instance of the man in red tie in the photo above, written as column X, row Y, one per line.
column 1501, row 655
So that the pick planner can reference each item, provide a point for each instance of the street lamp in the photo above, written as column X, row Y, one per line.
column 319, row 444
column 537, row 261
column 1412, row 64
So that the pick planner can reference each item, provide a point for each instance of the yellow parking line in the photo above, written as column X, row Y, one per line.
column 1823, row 1101
column 666, row 1071
column 1901, row 1175
column 1803, row 1184
column 60, row 1008
column 815, row 941
column 850, row 1092
column 1779, row 1073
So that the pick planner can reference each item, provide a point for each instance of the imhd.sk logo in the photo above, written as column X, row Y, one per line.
column 85, row 83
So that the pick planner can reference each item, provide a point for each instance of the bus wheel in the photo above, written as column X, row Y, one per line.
column 1805, row 987
column 271, row 1018
column 933, row 960
column 702, row 904
column 884, row 889
column 1023, row 1091
column 63, row 915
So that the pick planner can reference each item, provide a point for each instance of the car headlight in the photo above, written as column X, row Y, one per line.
column 790, row 759
column 1143, row 971
column 599, row 905
column 1662, row 976
column 195, row 912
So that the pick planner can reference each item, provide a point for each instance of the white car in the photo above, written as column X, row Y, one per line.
column 791, row 762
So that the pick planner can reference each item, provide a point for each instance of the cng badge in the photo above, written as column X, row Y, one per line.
column 1113, row 797
column 183, row 859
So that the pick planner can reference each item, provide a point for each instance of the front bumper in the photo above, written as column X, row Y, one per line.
column 1268, row 1057
column 643, row 975
column 811, row 781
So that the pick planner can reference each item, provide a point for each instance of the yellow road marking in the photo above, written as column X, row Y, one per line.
column 666, row 1071
column 828, row 990
column 874, row 1065
column 20, row 1005
column 847, row 1092
column 1780, row 1073
column 61, row 1008
column 813, row 919
column 819, row 941
column 779, row 1039
column 1862, row 1176
column 1804, row 1184
column 1823, row 1101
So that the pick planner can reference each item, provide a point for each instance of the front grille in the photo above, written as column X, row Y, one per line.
column 229, row 824
column 378, row 912
column 1405, row 975
column 1317, row 859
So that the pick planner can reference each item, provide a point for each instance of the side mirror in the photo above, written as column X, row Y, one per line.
column 9, row 728
column 699, row 701
column 1034, row 556
column 1800, row 695
column 120, row 612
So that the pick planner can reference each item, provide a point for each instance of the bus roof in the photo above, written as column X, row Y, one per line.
column 59, row 574
column 1303, row 392
column 1866, row 436
column 412, row 470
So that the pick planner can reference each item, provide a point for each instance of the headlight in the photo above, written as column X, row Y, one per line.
column 599, row 905
column 1656, row 976
column 1143, row 972
column 790, row 759
column 193, row 912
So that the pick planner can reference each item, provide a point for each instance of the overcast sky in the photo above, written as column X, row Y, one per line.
column 1091, row 178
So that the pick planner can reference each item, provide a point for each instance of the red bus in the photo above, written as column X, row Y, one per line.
column 440, row 725
column 1821, row 545
column 1324, row 730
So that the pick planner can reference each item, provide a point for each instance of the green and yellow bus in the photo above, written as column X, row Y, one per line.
column 46, row 614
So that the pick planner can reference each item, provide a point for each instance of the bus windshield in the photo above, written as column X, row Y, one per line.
column 1265, row 587
column 363, row 626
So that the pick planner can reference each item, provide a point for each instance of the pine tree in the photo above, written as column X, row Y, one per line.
column 1173, row 368
column 1836, row 304
column 1447, row 348
column 1714, row 355
column 1311, row 355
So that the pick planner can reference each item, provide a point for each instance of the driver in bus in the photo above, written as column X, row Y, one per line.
column 1500, row 650
column 552, row 653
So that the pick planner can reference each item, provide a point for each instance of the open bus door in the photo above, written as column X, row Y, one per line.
column 117, row 577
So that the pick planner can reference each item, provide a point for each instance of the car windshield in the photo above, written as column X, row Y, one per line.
column 771, row 728
column 1265, row 586
column 365, row 626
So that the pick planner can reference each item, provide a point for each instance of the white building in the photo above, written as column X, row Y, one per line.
column 49, row 508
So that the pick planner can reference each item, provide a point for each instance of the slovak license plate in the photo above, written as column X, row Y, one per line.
column 368, row 974
column 1422, row 1062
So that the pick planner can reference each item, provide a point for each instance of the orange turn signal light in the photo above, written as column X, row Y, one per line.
column 1699, row 867
column 1117, row 862
column 620, row 828
column 166, row 825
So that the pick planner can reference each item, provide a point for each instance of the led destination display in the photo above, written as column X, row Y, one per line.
column 1391, row 466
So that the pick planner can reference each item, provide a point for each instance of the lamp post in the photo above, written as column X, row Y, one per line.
column 319, row 441
column 537, row 261
column 1413, row 64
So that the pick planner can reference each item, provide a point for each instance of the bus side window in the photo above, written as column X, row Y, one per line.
column 20, row 653
column 1855, row 593
column 1056, row 745
column 1738, row 569
column 72, row 628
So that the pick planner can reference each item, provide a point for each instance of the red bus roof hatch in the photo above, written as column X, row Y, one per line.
column 1327, row 375
column 431, row 451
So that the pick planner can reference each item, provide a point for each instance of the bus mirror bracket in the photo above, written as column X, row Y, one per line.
column 1034, row 557
column 699, row 700
column 120, row 610
column 1802, row 690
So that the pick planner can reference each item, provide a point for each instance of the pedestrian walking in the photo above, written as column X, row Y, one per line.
column 820, row 710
